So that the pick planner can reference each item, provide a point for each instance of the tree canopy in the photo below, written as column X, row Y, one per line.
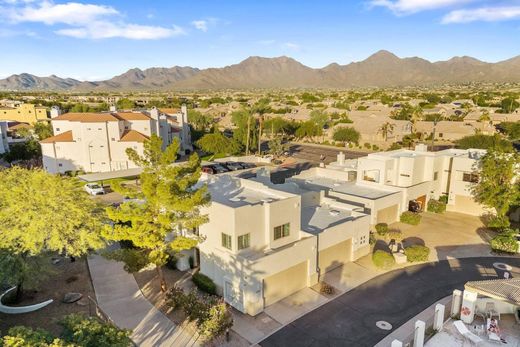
column 199, row 121
column 171, row 199
column 241, row 119
column 498, row 185
column 125, row 104
column 217, row 143
column 480, row 141
column 346, row 134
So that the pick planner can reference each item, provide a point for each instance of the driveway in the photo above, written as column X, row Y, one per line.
column 396, row 297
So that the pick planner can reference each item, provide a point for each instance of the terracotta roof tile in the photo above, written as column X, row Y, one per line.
column 87, row 117
column 170, row 110
column 63, row 137
column 133, row 136
column 132, row 116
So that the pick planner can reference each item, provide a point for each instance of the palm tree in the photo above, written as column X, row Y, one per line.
column 386, row 129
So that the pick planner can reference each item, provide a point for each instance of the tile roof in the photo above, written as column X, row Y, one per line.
column 133, row 136
column 502, row 289
column 19, row 126
column 170, row 110
column 63, row 137
column 87, row 117
column 132, row 116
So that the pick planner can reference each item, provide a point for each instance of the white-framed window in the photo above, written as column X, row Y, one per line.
column 243, row 241
column 470, row 177
column 282, row 231
column 226, row 241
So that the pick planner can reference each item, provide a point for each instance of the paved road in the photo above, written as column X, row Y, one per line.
column 396, row 297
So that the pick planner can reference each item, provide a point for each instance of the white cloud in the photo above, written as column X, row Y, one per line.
column 487, row 14
column 71, row 13
column 201, row 25
column 292, row 46
column 413, row 6
column 107, row 30
column 83, row 20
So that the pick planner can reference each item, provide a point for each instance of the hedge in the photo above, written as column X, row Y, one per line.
column 381, row 228
column 410, row 218
column 382, row 259
column 505, row 242
column 204, row 283
column 417, row 253
column 436, row 206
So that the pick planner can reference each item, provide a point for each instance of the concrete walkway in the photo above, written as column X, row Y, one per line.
column 119, row 296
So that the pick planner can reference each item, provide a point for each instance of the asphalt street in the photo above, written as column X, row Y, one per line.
column 395, row 297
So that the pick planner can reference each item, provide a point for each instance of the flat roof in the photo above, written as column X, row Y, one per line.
column 315, row 219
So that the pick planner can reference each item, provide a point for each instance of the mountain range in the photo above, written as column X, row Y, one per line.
column 382, row 69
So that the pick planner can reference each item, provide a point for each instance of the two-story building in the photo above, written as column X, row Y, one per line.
column 264, row 242
column 24, row 113
column 97, row 142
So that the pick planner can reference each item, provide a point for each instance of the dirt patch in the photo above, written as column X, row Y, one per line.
column 68, row 277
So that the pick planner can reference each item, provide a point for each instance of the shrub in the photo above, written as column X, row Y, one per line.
column 371, row 239
column 217, row 321
column 498, row 222
column 175, row 298
column 505, row 242
column 204, row 283
column 382, row 259
column 443, row 199
column 367, row 145
column 417, row 253
column 410, row 218
column 171, row 263
column 91, row 332
column 326, row 288
column 381, row 228
column 394, row 234
column 436, row 206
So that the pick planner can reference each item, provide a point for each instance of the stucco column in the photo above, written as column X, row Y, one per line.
column 418, row 337
column 438, row 320
column 467, row 311
column 456, row 301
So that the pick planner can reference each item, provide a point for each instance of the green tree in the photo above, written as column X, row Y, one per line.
column 43, row 130
column 509, row 104
column 386, row 129
column 172, row 199
column 201, row 122
column 125, row 104
column 321, row 119
column 511, row 129
column 217, row 143
column 481, row 141
column 246, row 128
column 308, row 129
column 498, row 185
column 40, row 213
column 346, row 134
column 277, row 147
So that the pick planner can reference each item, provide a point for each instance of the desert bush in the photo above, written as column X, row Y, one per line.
column 410, row 218
column 371, row 239
column 381, row 228
column 175, row 298
column 91, row 332
column 382, row 259
column 204, row 283
column 498, row 222
column 505, row 242
column 436, row 206
column 443, row 199
column 417, row 253
column 393, row 234
column 326, row 288
column 217, row 321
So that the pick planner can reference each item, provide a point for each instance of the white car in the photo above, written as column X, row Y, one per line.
column 94, row 189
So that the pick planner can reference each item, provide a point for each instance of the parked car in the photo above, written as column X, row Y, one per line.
column 209, row 169
column 220, row 168
column 94, row 189
column 234, row 166
column 248, row 165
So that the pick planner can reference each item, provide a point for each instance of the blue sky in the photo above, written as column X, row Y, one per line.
column 97, row 39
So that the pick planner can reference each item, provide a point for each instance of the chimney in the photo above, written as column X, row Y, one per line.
column 154, row 113
column 55, row 111
column 341, row 158
column 113, row 108
column 184, row 115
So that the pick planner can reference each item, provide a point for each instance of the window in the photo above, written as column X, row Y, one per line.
column 243, row 241
column 441, row 134
column 362, row 240
column 281, row 231
column 405, row 175
column 57, row 129
column 113, row 139
column 60, row 164
column 435, row 175
column 470, row 177
column 226, row 241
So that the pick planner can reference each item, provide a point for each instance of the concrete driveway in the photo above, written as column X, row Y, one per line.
column 396, row 297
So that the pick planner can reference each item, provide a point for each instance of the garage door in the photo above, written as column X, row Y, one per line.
column 334, row 256
column 284, row 283
column 387, row 215
column 465, row 204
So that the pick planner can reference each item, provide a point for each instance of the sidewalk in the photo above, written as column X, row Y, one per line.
column 119, row 296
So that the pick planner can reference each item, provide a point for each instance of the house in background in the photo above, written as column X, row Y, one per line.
column 24, row 113
column 97, row 142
